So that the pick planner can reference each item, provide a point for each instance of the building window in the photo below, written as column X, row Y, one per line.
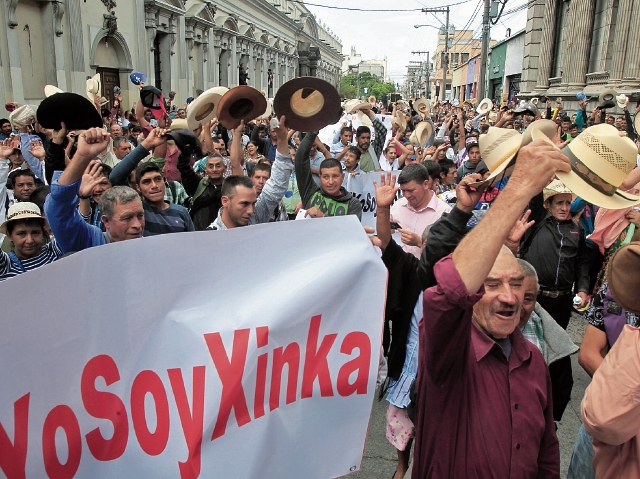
column 157, row 63
column 464, row 57
column 560, row 39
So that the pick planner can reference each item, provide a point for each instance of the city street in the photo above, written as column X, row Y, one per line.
column 380, row 457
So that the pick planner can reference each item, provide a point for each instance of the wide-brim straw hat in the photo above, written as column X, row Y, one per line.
column 422, row 133
column 354, row 105
column 485, row 106
column 622, row 100
column 204, row 108
column 600, row 160
column 94, row 87
column 623, row 278
column 556, row 187
column 308, row 103
column 239, row 103
column 400, row 119
column 364, row 119
column 500, row 146
column 179, row 124
column 21, row 211
column 422, row 101
column 268, row 112
column 372, row 100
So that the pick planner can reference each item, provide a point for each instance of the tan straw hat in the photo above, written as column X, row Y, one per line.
column 179, row 124
column 622, row 100
column 94, row 87
column 423, row 133
column 485, row 106
column 422, row 106
column 364, row 119
column 500, row 146
column 354, row 105
column 600, row 160
column 51, row 90
column 21, row 211
column 203, row 109
column 555, row 188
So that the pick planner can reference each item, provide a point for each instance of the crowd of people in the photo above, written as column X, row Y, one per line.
column 495, row 224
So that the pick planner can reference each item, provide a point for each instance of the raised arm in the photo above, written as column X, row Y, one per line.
column 306, row 185
column 276, row 186
column 91, row 143
column 236, row 151
column 385, row 195
column 55, row 157
column 121, row 172
column 535, row 168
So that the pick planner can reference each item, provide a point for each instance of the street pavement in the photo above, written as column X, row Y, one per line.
column 379, row 461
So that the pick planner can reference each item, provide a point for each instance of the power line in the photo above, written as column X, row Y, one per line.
column 373, row 10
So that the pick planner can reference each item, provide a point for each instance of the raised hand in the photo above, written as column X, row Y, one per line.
column 6, row 148
column 36, row 149
column 467, row 197
column 518, row 230
column 92, row 176
column 537, row 165
column 386, row 191
column 92, row 142
column 155, row 138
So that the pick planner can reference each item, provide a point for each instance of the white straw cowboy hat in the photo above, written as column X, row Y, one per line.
column 21, row 211
column 179, row 124
column 422, row 102
column 422, row 133
column 600, row 160
column 622, row 100
column 556, row 187
column 353, row 105
column 94, row 87
column 535, row 101
column 372, row 100
column 203, row 109
column 485, row 106
column 51, row 90
column 500, row 146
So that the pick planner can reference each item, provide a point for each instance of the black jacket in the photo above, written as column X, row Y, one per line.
column 403, row 290
column 53, row 160
column 207, row 197
column 263, row 143
column 556, row 249
column 444, row 235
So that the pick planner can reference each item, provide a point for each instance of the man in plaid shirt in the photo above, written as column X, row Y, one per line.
column 370, row 152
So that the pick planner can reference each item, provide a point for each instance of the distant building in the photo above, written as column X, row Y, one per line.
column 354, row 64
column 462, row 47
column 588, row 46
column 505, row 68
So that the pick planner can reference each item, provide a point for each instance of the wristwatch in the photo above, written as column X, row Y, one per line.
column 83, row 197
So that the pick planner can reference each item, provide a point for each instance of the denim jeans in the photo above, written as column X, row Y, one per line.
column 582, row 457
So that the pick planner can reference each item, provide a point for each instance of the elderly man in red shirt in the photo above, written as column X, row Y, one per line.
column 484, row 395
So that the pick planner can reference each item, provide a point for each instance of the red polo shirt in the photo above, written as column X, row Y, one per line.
column 479, row 415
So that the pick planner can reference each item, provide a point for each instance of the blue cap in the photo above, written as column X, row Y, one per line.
column 137, row 78
column 189, row 100
column 581, row 96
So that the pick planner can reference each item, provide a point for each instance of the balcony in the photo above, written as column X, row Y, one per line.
column 597, row 78
column 555, row 82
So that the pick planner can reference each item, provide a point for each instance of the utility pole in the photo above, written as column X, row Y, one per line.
column 445, row 59
column 485, row 50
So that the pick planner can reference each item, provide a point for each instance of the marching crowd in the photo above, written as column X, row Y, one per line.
column 494, row 222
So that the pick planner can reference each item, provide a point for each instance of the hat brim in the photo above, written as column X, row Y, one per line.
column 364, row 119
column 424, row 134
column 355, row 106
column 51, row 90
column 484, row 107
column 619, row 200
column 3, row 226
column 624, row 294
column 204, row 108
column 186, row 140
column 77, row 112
column 240, row 103
column 321, row 107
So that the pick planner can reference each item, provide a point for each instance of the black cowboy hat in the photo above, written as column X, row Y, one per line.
column 308, row 103
column 75, row 111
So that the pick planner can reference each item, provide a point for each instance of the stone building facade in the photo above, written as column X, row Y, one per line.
column 581, row 45
column 181, row 45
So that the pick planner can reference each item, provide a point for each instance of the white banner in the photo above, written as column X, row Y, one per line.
column 248, row 353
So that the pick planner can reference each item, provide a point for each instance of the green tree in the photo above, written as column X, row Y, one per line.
column 374, row 86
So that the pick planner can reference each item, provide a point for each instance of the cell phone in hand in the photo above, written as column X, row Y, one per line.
column 395, row 226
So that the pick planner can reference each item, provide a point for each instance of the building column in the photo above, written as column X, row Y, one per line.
column 632, row 64
column 233, row 78
column 578, row 52
column 546, row 45
column 621, row 35
column 215, row 62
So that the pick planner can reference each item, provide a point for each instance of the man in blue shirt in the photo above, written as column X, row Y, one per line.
column 5, row 129
column 160, row 216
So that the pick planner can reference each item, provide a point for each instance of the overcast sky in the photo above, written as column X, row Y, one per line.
column 392, row 34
